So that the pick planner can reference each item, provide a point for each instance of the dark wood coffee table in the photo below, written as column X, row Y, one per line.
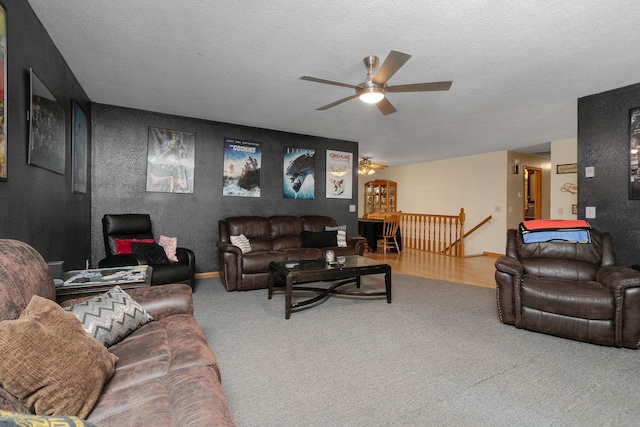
column 294, row 272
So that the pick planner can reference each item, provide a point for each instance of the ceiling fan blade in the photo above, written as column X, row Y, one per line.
column 385, row 107
column 374, row 166
column 338, row 102
column 328, row 82
column 420, row 87
column 394, row 61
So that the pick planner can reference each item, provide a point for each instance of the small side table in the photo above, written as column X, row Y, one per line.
column 81, row 283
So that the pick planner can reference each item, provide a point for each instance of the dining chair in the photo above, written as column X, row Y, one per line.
column 388, row 238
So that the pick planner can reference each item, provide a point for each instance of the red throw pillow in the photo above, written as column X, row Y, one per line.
column 123, row 246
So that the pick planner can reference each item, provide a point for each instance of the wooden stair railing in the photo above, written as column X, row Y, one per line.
column 441, row 234
column 483, row 222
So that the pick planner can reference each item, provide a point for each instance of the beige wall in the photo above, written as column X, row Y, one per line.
column 564, row 152
column 445, row 186
column 482, row 184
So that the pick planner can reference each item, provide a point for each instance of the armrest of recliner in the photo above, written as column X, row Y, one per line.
column 618, row 278
column 122, row 260
column 509, row 265
column 624, row 284
column 508, row 276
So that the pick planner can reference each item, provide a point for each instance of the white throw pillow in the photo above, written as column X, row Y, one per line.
column 242, row 242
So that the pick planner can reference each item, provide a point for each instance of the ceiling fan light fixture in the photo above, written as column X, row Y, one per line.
column 370, row 95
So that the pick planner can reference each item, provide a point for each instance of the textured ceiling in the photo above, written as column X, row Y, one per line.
column 518, row 66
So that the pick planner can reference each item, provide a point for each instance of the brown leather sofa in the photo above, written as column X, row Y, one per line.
column 276, row 238
column 569, row 290
column 166, row 374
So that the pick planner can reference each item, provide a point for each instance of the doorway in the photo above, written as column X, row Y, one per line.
column 532, row 193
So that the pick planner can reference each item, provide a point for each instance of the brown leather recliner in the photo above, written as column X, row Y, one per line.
column 569, row 290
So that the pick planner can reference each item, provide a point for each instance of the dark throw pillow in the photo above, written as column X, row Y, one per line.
column 153, row 252
column 322, row 239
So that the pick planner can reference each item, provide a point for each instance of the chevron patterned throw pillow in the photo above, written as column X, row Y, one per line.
column 111, row 316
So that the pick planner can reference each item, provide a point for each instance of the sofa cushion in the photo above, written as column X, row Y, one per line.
column 584, row 300
column 316, row 223
column 50, row 363
column 15, row 419
column 258, row 262
column 111, row 316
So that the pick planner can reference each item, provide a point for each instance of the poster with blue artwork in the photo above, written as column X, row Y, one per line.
column 242, row 164
column 299, row 173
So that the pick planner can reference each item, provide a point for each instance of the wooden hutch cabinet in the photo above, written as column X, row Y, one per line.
column 380, row 196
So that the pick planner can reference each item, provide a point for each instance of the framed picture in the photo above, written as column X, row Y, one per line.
column 339, row 175
column 79, row 146
column 3, row 94
column 567, row 168
column 170, row 161
column 46, row 128
column 299, row 169
column 242, row 166
column 634, row 146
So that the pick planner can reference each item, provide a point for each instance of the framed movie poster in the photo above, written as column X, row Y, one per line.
column 299, row 173
column 170, row 161
column 242, row 164
column 3, row 94
column 46, row 130
column 79, row 147
column 339, row 176
column 634, row 146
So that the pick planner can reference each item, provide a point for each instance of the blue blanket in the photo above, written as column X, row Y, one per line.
column 569, row 236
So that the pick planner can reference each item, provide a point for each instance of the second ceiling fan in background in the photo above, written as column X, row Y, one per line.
column 374, row 89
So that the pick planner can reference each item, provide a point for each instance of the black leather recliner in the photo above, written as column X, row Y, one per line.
column 571, row 290
column 138, row 226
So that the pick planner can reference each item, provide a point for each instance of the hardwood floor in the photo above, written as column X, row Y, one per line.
column 476, row 270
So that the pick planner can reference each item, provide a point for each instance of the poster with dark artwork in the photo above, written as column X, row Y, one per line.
column 80, row 144
column 339, row 177
column 170, row 161
column 242, row 163
column 634, row 149
column 299, row 173
column 3, row 95
column 46, row 130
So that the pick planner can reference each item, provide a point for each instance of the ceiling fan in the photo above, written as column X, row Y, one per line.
column 367, row 168
column 373, row 90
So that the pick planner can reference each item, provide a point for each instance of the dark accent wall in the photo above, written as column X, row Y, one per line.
column 119, row 179
column 603, row 142
column 36, row 205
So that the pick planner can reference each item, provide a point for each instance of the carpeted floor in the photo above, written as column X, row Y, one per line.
column 436, row 356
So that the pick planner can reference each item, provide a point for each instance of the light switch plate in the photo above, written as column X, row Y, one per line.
column 590, row 171
column 590, row 212
column 352, row 208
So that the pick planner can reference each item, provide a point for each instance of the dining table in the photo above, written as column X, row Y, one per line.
column 371, row 229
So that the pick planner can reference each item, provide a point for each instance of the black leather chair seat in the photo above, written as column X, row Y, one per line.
column 169, row 273
column 585, row 300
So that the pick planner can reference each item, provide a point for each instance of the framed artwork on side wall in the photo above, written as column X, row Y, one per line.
column 3, row 94
column 634, row 146
column 79, row 145
column 46, row 128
